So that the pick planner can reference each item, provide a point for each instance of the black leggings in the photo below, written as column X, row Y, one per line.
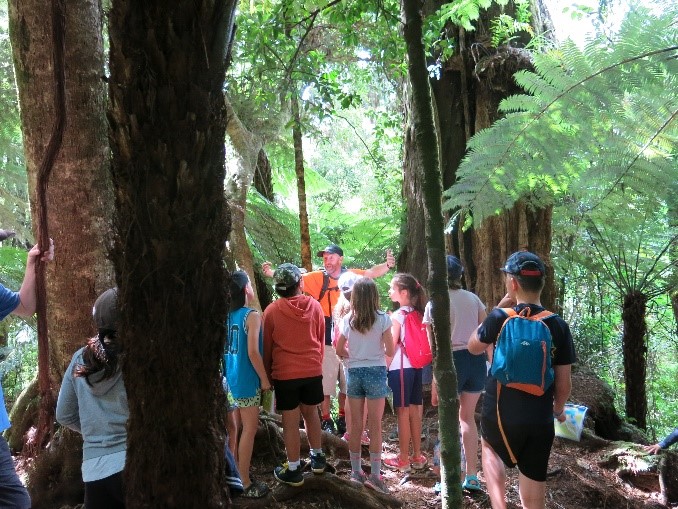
column 105, row 493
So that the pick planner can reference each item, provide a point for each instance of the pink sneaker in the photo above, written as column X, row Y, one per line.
column 418, row 463
column 395, row 463
column 345, row 437
column 365, row 438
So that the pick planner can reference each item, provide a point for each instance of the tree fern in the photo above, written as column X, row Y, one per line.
column 593, row 121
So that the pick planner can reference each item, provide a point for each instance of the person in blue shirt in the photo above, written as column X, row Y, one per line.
column 245, row 374
column 671, row 439
column 22, row 303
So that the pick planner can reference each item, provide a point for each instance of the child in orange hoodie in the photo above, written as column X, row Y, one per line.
column 294, row 340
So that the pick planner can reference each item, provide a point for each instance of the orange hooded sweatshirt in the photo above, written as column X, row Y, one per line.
column 294, row 338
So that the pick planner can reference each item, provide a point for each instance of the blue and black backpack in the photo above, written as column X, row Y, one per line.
column 522, row 354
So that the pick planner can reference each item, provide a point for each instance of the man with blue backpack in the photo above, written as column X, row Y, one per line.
column 529, row 382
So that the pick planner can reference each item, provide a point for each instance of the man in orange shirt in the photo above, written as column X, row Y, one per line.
column 294, row 332
column 322, row 286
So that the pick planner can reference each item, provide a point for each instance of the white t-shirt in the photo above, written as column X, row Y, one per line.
column 365, row 349
column 464, row 309
column 399, row 316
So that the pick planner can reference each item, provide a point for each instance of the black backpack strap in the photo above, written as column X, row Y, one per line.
column 326, row 284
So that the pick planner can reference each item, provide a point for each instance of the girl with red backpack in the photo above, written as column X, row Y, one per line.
column 405, row 369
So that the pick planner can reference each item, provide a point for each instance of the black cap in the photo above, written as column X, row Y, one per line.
column 105, row 310
column 331, row 249
column 524, row 264
column 454, row 268
column 239, row 279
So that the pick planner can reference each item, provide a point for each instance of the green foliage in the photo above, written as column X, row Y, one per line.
column 505, row 27
column 273, row 234
column 14, row 211
column 19, row 358
column 593, row 122
column 18, row 340
column 12, row 266
column 441, row 44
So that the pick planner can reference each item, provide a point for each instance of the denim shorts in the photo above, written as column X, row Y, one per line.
column 368, row 382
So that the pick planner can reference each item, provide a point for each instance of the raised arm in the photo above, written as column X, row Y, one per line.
column 381, row 268
column 27, row 296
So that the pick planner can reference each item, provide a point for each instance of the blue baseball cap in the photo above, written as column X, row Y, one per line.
column 454, row 268
column 331, row 249
column 524, row 264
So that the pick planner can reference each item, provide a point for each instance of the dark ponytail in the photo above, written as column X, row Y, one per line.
column 102, row 354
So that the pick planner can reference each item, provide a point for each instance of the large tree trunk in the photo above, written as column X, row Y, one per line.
column 79, row 195
column 426, row 142
column 634, row 344
column 167, row 128
column 466, row 97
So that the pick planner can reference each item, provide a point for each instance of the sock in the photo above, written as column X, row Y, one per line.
column 315, row 452
column 326, row 417
column 355, row 461
column 293, row 465
column 375, row 463
column 342, row 412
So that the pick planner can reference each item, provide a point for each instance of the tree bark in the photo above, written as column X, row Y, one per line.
column 79, row 194
column 466, row 96
column 634, row 344
column 167, row 127
column 428, row 164
column 248, row 146
column 305, row 236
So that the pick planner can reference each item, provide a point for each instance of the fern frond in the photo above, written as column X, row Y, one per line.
column 600, row 118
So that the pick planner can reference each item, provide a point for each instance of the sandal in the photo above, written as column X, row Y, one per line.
column 256, row 489
column 471, row 483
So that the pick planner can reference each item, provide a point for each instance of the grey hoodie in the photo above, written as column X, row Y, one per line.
column 99, row 412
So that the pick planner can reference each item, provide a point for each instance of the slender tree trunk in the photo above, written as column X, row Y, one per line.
column 306, row 260
column 634, row 341
column 167, row 128
column 426, row 142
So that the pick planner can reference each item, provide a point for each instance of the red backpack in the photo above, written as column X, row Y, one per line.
column 416, row 343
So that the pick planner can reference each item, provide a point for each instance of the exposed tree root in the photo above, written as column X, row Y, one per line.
column 331, row 486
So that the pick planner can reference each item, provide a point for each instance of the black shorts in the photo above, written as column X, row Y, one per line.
column 531, row 445
column 289, row 393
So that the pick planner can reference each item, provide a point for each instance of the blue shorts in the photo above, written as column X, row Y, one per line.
column 411, row 386
column 367, row 382
column 471, row 371
column 427, row 374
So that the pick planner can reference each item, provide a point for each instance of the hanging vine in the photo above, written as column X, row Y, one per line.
column 46, row 415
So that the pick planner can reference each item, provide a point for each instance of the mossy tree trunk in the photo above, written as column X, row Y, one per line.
column 634, row 345
column 426, row 141
column 299, row 170
column 167, row 128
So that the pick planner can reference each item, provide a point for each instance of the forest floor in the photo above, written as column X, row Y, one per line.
column 581, row 476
